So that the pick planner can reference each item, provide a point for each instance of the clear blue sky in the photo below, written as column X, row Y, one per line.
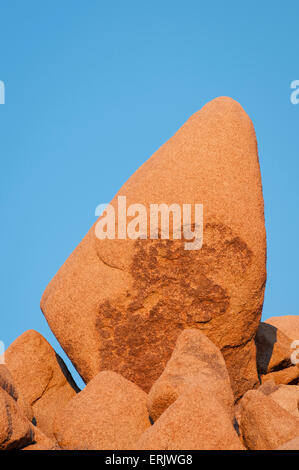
column 94, row 88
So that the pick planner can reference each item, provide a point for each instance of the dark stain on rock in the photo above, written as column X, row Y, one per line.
column 173, row 289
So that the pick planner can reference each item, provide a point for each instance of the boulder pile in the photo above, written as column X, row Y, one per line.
column 169, row 341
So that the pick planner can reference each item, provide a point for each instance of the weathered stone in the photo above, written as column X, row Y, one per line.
column 195, row 421
column 289, row 376
column 15, row 429
column 195, row 360
column 109, row 413
column 264, row 424
column 41, row 377
column 121, row 304
column 273, row 349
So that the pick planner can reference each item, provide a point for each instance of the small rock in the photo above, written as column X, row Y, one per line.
column 284, row 376
column 264, row 424
column 109, row 414
column 195, row 360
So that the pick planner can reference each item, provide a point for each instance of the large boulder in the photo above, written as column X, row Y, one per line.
column 109, row 414
column 120, row 304
column 195, row 421
column 264, row 424
column 288, row 324
column 195, row 360
column 15, row 429
column 41, row 377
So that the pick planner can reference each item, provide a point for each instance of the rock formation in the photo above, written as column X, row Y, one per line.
column 264, row 424
column 41, row 378
column 120, row 304
column 168, row 339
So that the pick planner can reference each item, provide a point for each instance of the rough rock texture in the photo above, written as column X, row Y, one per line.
column 41, row 377
column 7, row 383
column 264, row 424
column 273, row 349
column 195, row 421
column 287, row 396
column 42, row 442
column 109, row 414
column 288, row 324
column 15, row 429
column 268, row 387
column 290, row 445
column 195, row 360
column 120, row 304
column 290, row 375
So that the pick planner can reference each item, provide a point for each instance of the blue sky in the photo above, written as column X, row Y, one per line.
column 93, row 88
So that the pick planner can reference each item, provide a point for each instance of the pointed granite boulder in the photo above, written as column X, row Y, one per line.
column 194, row 361
column 108, row 414
column 120, row 304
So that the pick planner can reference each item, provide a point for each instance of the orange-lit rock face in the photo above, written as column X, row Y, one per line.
column 121, row 304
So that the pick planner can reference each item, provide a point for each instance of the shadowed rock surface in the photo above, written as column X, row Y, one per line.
column 273, row 349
